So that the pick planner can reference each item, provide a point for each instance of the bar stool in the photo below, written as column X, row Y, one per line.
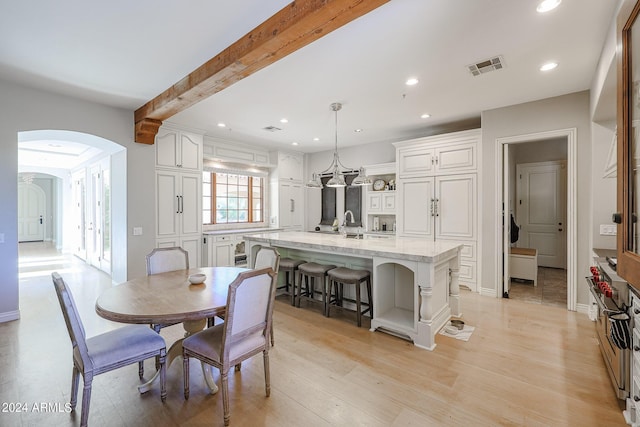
column 309, row 272
column 290, row 266
column 348, row 276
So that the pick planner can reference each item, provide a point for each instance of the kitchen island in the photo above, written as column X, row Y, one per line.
column 415, row 281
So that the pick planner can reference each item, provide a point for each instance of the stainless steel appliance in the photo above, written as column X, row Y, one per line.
column 611, row 295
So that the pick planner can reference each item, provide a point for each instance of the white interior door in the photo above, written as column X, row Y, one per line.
column 541, row 210
column 79, row 211
column 94, row 241
column 31, row 214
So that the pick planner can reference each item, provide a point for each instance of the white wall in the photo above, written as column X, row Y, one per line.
column 24, row 109
column 604, row 189
column 563, row 112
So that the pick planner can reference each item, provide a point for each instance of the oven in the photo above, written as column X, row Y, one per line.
column 611, row 297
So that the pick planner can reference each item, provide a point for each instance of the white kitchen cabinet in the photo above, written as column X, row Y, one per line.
column 437, row 193
column 221, row 250
column 290, row 166
column 291, row 206
column 192, row 244
column 179, row 211
column 381, row 202
column 287, row 191
column 178, row 149
column 449, row 153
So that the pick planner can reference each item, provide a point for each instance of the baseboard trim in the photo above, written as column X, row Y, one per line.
column 9, row 316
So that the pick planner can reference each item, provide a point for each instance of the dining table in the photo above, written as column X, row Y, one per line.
column 170, row 298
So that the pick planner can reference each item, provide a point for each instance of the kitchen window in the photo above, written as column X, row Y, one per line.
column 232, row 198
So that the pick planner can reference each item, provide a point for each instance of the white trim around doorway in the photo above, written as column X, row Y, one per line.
column 571, row 135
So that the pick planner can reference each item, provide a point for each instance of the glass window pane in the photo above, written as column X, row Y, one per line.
column 221, row 178
column 221, row 203
column 206, row 190
column 232, row 190
column 221, row 190
column 233, row 179
column 206, row 177
column 233, row 203
column 243, row 203
column 243, row 216
column 243, row 180
column 257, row 217
column 221, row 217
column 233, row 216
column 206, row 217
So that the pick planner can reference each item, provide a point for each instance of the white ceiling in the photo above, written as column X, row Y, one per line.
column 124, row 53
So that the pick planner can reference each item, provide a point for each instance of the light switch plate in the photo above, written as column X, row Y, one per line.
column 607, row 229
column 137, row 231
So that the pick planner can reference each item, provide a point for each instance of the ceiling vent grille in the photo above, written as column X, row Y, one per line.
column 486, row 66
column 272, row 129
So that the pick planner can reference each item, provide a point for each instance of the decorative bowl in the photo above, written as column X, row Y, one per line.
column 457, row 324
column 196, row 279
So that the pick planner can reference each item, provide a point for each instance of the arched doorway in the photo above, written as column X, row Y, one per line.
column 68, row 155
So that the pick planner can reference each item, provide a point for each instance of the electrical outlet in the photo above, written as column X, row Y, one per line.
column 137, row 231
column 607, row 229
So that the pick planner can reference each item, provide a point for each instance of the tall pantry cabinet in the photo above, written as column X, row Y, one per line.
column 179, row 191
column 287, row 191
column 437, row 193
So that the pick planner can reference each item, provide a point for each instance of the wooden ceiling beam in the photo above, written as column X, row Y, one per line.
column 293, row 27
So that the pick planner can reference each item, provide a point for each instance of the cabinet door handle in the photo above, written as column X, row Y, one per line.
column 178, row 202
column 432, row 207
column 437, row 202
column 181, row 202
column 293, row 205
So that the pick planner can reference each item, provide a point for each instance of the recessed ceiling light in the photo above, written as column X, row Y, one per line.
column 221, row 125
column 411, row 81
column 547, row 5
column 548, row 66
column 294, row 143
column 358, row 130
column 284, row 120
column 316, row 139
column 425, row 116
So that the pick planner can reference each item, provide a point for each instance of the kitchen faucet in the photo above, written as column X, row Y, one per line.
column 343, row 230
column 344, row 223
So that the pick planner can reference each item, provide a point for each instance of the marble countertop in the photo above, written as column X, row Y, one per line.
column 410, row 249
column 240, row 231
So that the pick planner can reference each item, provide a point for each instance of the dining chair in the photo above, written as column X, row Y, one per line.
column 244, row 333
column 268, row 257
column 105, row 352
column 161, row 260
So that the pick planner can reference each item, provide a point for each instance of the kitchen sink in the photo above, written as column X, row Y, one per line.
column 337, row 233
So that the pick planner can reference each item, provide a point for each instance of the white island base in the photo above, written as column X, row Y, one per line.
column 414, row 282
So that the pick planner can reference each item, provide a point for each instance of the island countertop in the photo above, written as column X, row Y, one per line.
column 406, row 248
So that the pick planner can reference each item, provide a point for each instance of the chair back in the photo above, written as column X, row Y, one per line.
column 248, row 317
column 73, row 322
column 161, row 260
column 268, row 257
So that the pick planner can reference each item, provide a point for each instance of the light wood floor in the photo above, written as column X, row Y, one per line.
column 525, row 365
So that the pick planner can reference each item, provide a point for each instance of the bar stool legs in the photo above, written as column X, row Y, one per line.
column 290, row 267
column 309, row 273
column 338, row 277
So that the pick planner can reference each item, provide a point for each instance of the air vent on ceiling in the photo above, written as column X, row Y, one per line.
column 272, row 129
column 486, row 66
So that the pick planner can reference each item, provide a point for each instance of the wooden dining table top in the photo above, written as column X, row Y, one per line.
column 168, row 297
